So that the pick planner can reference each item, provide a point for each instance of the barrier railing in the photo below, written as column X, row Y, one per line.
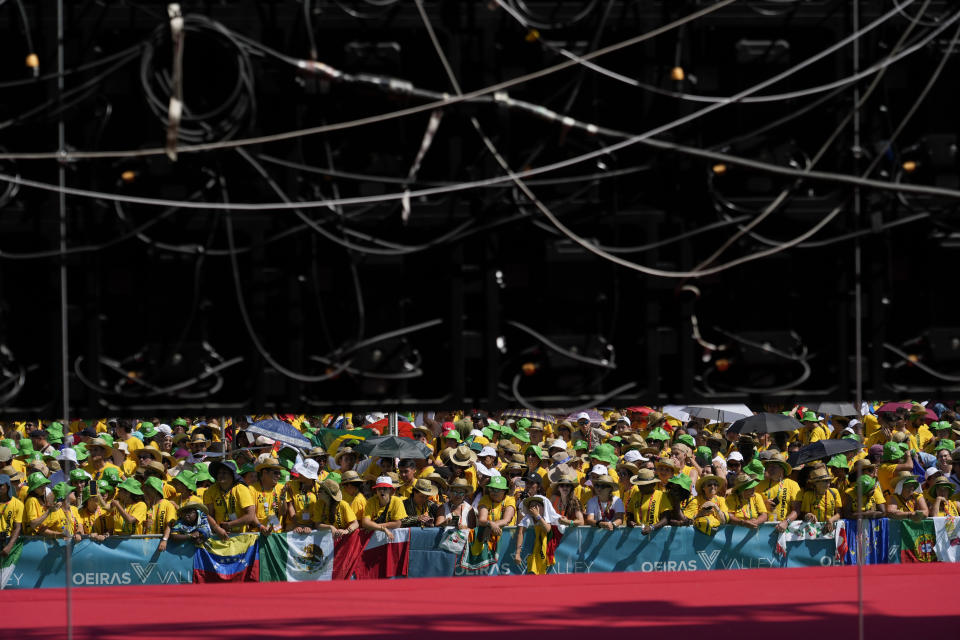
column 434, row 552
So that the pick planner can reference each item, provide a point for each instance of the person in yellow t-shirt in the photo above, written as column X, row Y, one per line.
column 350, row 484
column 778, row 491
column 939, row 498
column 267, row 492
column 96, row 521
column 38, row 504
column 407, row 470
column 11, row 515
column 646, row 504
column 99, row 459
column 384, row 511
column 161, row 513
column 185, row 488
column 710, row 510
column 300, row 494
column 812, row 430
column 870, row 503
column 905, row 501
column 896, row 459
column 745, row 506
column 330, row 511
column 917, row 427
column 64, row 520
column 128, row 509
column 821, row 503
column 230, row 504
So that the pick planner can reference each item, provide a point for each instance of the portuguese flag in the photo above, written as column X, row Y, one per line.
column 917, row 541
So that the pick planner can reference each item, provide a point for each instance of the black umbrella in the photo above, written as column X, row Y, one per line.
column 765, row 423
column 844, row 409
column 393, row 447
column 825, row 449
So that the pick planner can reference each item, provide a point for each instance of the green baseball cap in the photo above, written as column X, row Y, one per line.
column 688, row 440
column 186, row 479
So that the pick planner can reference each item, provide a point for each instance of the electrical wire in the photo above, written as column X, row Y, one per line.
column 340, row 126
column 919, row 365
column 603, row 363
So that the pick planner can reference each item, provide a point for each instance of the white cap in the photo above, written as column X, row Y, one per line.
column 852, row 424
column 165, row 430
column 624, row 419
column 634, row 456
column 476, row 433
column 719, row 460
column 557, row 443
column 583, row 415
column 736, row 455
column 264, row 441
column 932, row 471
column 67, row 455
column 486, row 471
column 385, row 480
column 600, row 470
column 487, row 451
column 308, row 469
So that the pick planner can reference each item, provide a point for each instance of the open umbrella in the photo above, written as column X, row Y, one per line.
column 844, row 409
column 393, row 447
column 641, row 410
column 281, row 432
column 893, row 406
column 765, row 423
column 529, row 414
column 825, row 449
column 719, row 412
column 677, row 412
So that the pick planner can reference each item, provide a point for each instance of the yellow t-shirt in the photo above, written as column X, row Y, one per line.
column 784, row 494
column 11, row 513
column 706, row 523
column 908, row 504
column 58, row 520
column 32, row 509
column 404, row 490
column 302, row 502
column 269, row 504
column 97, row 475
column 229, row 506
column 646, row 508
column 948, row 508
column 746, row 509
column 824, row 507
column 133, row 443
column 885, row 474
column 129, row 467
column 121, row 527
column 97, row 522
column 343, row 515
column 393, row 511
column 496, row 511
column 20, row 466
column 159, row 515
column 358, row 503
column 869, row 500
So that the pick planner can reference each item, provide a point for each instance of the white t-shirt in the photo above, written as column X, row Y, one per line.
column 610, row 511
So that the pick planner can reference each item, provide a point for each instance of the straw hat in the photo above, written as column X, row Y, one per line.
column 268, row 463
column 342, row 451
column 940, row 481
column 605, row 480
column 460, row 483
column 644, row 477
column 436, row 479
column 462, row 457
column 351, row 477
column 746, row 481
column 199, row 438
column 193, row 503
column 819, row 474
column 425, row 487
column 100, row 442
column 702, row 479
column 332, row 489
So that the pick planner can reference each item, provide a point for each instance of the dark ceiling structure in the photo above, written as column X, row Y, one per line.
column 410, row 203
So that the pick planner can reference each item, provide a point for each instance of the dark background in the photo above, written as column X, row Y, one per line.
column 157, row 309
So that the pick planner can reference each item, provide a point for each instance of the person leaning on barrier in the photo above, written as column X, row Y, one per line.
column 677, row 503
column 229, row 502
column 330, row 512
column 905, row 501
column 384, row 510
column 605, row 510
column 457, row 512
column 563, row 481
column 870, row 502
column 646, row 504
column 940, row 499
column 745, row 507
column 11, row 516
column 710, row 511
column 820, row 502
column 421, row 509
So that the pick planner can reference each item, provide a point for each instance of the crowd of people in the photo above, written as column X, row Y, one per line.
column 196, row 478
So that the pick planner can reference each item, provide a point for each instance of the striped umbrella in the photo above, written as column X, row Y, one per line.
column 529, row 414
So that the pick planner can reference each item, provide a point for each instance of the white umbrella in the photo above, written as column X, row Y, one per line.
column 719, row 412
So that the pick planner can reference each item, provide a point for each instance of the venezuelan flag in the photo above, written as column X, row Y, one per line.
column 233, row 560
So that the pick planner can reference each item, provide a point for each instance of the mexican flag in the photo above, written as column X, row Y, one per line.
column 10, row 563
column 295, row 557
column 917, row 541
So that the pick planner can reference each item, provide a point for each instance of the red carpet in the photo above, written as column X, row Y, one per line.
column 719, row 604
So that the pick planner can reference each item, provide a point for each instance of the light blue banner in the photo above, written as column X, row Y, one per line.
column 115, row 561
